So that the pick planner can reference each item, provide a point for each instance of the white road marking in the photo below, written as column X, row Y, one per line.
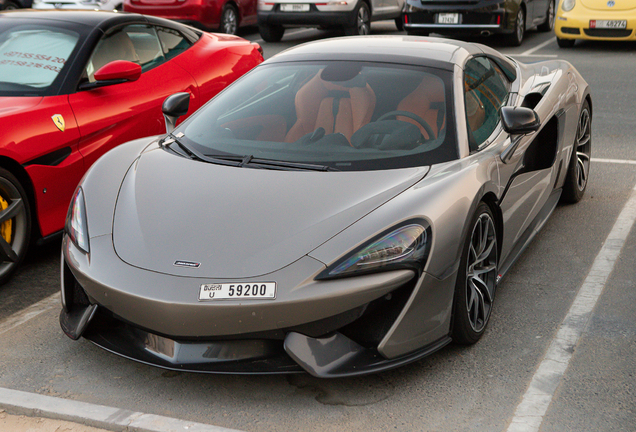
column 538, row 47
column 531, row 411
column 30, row 312
column 615, row 161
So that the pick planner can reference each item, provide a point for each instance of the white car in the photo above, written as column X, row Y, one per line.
column 79, row 4
column 354, row 16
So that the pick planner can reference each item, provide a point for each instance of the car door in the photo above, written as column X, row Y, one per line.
column 111, row 115
column 526, row 174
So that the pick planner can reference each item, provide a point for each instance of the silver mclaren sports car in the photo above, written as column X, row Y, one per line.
column 347, row 207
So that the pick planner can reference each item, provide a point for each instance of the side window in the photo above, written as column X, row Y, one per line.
column 136, row 43
column 486, row 90
column 172, row 42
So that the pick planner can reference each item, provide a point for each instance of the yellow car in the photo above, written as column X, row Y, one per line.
column 595, row 20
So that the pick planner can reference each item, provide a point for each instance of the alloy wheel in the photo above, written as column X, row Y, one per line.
column 583, row 148
column 364, row 27
column 481, row 272
column 229, row 21
column 521, row 25
column 15, row 230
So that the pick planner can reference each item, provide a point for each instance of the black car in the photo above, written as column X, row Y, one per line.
column 479, row 17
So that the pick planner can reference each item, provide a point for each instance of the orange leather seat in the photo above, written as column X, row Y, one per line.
column 426, row 101
column 336, row 108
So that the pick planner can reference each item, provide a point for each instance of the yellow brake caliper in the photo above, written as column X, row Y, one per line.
column 7, row 226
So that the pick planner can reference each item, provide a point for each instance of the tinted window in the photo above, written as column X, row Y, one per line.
column 32, row 57
column 172, row 42
column 486, row 90
column 135, row 43
column 347, row 115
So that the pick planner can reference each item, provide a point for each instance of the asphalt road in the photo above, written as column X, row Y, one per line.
column 477, row 388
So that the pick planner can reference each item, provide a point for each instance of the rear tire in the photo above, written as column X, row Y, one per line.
column 565, row 43
column 476, row 278
column 362, row 26
column 229, row 20
column 11, row 6
column 548, row 25
column 272, row 33
column 579, row 166
column 15, row 224
column 516, row 37
column 399, row 23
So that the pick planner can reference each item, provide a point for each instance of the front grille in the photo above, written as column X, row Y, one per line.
column 612, row 33
column 570, row 30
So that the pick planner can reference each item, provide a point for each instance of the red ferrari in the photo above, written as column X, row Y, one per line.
column 73, row 85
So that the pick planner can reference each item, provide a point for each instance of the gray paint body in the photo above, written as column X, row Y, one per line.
column 295, row 224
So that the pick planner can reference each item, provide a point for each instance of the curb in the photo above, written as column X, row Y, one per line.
column 114, row 419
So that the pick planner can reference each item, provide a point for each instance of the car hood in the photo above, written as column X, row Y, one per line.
column 189, row 218
column 11, row 104
column 603, row 5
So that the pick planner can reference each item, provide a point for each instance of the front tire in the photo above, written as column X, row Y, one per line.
column 11, row 6
column 476, row 278
column 548, row 25
column 272, row 33
column 566, row 43
column 362, row 26
column 229, row 20
column 516, row 37
column 15, row 224
column 579, row 166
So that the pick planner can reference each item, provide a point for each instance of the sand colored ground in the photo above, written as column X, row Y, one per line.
column 13, row 423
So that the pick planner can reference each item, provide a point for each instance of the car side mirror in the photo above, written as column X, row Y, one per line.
column 175, row 106
column 519, row 120
column 115, row 72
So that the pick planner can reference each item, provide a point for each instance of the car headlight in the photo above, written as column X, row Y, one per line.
column 568, row 5
column 76, row 222
column 405, row 246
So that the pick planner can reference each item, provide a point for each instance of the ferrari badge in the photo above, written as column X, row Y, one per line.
column 59, row 121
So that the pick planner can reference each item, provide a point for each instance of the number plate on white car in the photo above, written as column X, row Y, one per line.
column 608, row 24
column 239, row 291
column 294, row 7
column 448, row 18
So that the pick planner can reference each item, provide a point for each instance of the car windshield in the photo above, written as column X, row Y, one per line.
column 32, row 56
column 341, row 115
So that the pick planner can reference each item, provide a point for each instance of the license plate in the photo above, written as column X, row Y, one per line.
column 239, row 291
column 294, row 7
column 608, row 24
column 448, row 18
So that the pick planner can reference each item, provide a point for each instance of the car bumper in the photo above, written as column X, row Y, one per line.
column 312, row 18
column 326, row 328
column 577, row 26
column 472, row 19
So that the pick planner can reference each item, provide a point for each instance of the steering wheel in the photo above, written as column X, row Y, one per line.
column 412, row 116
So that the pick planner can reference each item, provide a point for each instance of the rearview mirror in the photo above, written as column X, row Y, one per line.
column 175, row 106
column 118, row 70
column 519, row 120
column 115, row 72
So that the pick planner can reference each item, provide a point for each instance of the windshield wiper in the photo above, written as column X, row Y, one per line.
column 194, row 154
column 249, row 160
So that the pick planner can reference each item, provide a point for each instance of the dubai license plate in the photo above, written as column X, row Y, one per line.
column 447, row 18
column 238, row 291
column 294, row 7
column 608, row 24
